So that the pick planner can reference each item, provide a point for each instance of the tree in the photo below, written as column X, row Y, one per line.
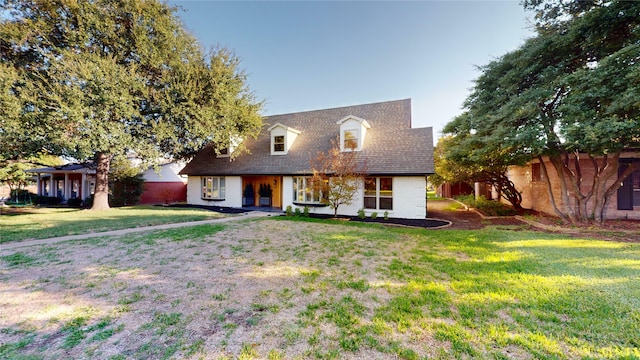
column 12, row 173
column 336, row 175
column 452, row 164
column 101, row 78
column 570, row 90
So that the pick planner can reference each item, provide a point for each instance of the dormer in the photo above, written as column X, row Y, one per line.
column 282, row 138
column 352, row 132
column 233, row 144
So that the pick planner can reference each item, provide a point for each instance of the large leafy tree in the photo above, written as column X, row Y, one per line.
column 455, row 161
column 96, row 79
column 569, row 92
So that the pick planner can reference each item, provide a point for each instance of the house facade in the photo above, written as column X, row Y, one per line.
column 276, row 169
column 66, row 182
column 77, row 181
column 624, row 204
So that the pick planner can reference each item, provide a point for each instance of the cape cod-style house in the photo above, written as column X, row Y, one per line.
column 276, row 169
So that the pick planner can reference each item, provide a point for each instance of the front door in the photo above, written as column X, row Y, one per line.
column 266, row 190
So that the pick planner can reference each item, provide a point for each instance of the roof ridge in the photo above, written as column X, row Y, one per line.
column 341, row 107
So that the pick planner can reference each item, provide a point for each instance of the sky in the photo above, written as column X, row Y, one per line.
column 311, row 55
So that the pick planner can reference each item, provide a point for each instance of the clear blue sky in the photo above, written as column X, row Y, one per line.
column 310, row 55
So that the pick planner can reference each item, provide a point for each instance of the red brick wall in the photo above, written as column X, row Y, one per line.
column 163, row 192
column 535, row 195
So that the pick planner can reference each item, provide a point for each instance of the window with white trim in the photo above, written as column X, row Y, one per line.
column 213, row 188
column 223, row 152
column 350, row 139
column 278, row 143
column 378, row 193
column 303, row 191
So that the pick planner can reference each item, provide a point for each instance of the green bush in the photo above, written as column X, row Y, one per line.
column 297, row 212
column 75, row 202
column 126, row 191
column 305, row 211
column 361, row 214
column 289, row 210
column 374, row 215
column 47, row 200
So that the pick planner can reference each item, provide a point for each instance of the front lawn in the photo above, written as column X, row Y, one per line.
column 284, row 289
column 38, row 223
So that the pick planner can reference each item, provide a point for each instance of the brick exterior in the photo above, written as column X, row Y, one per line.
column 535, row 195
column 163, row 192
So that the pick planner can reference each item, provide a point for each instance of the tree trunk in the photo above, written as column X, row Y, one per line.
column 545, row 173
column 569, row 212
column 101, row 194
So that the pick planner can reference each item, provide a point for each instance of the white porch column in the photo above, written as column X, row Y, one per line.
column 83, row 187
column 39, row 185
column 67, row 187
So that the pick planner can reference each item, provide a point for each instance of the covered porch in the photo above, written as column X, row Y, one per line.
column 66, row 182
column 262, row 192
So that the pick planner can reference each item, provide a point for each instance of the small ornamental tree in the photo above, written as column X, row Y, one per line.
column 336, row 175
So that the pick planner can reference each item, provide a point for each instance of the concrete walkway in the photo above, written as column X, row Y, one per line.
column 49, row 241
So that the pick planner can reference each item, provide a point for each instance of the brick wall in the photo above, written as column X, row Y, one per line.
column 535, row 195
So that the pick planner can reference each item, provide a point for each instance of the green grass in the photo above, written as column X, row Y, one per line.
column 39, row 223
column 372, row 292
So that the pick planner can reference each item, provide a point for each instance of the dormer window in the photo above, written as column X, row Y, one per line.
column 282, row 138
column 352, row 132
column 350, row 139
column 278, row 143
column 227, row 151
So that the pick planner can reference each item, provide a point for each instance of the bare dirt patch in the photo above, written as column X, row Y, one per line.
column 238, row 291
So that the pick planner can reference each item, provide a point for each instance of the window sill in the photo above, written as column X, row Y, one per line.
column 209, row 199
column 310, row 204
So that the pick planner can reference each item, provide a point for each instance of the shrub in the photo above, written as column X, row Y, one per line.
column 386, row 215
column 289, row 211
column 305, row 211
column 374, row 215
column 47, row 200
column 297, row 212
column 361, row 214
column 75, row 202
column 126, row 191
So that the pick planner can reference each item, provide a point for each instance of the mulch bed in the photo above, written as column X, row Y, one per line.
column 423, row 223
column 220, row 209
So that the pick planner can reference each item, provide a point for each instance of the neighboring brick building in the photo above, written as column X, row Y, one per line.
column 166, row 186
column 529, row 180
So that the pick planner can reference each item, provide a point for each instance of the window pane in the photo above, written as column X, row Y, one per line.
column 278, row 143
column 369, row 202
column 536, row 175
column 222, row 188
column 385, row 185
column 635, row 179
column 350, row 139
column 370, row 186
column 386, row 203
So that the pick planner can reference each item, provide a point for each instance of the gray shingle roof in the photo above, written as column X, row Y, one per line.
column 391, row 146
